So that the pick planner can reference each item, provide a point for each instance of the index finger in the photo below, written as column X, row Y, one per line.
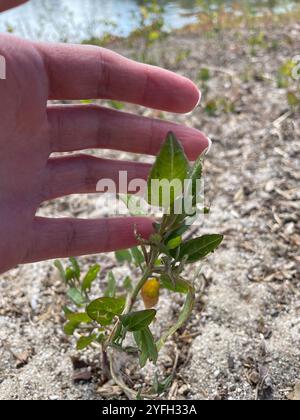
column 88, row 72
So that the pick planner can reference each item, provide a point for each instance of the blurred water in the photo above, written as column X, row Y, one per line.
column 75, row 20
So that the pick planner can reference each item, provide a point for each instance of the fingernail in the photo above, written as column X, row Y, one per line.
column 207, row 150
column 199, row 100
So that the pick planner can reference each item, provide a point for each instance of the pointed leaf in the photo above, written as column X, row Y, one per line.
column 161, row 387
column 136, row 321
column 123, row 256
column 174, row 243
column 141, row 346
column 146, row 344
column 198, row 248
column 70, row 327
column 75, row 267
column 177, row 232
column 111, row 285
column 178, row 285
column 67, row 311
column 116, row 105
column 76, row 296
column 61, row 270
column 171, row 165
column 79, row 317
column 127, row 284
column 137, row 256
column 103, row 310
column 195, row 175
column 90, row 277
column 150, row 345
column 70, row 274
column 84, row 342
column 192, row 190
column 183, row 316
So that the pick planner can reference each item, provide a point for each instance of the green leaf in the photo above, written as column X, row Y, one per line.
column 293, row 100
column 204, row 74
column 195, row 175
column 84, row 342
column 67, row 311
column 76, row 296
column 192, row 191
column 111, row 286
column 70, row 274
column 183, row 316
column 75, row 267
column 137, row 256
column 136, row 321
column 177, row 232
column 101, row 337
column 141, row 346
column 150, row 344
column 103, row 310
column 171, row 165
column 81, row 317
column 70, row 327
column 145, row 342
column 161, row 387
column 287, row 68
column 116, row 105
column 178, row 285
column 90, row 277
column 118, row 333
column 174, row 243
column 139, row 396
column 123, row 256
column 127, row 284
column 211, row 107
column 198, row 248
column 61, row 270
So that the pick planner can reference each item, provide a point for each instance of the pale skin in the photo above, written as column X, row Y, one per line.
column 31, row 130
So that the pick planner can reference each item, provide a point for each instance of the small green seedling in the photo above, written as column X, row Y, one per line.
column 288, row 78
column 163, row 260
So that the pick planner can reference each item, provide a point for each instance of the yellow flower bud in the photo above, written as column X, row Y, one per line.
column 150, row 292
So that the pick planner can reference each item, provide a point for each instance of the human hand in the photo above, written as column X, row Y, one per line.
column 31, row 131
column 8, row 4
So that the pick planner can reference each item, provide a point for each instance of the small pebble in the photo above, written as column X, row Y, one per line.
column 54, row 397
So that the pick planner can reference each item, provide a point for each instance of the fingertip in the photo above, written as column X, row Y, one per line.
column 171, row 92
column 194, row 141
column 189, row 99
column 196, row 96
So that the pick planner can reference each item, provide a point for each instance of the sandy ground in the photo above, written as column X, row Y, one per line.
column 243, row 340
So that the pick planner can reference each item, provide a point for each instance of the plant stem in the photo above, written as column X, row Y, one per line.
column 154, row 253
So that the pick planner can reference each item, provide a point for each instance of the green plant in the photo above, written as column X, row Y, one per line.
column 182, row 55
column 162, row 261
column 218, row 105
column 204, row 74
column 284, row 74
column 150, row 27
column 286, row 80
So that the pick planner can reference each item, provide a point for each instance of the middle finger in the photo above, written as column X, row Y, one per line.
column 79, row 127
